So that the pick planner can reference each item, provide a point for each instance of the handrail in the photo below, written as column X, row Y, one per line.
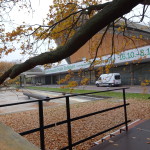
column 52, row 98
column 69, row 119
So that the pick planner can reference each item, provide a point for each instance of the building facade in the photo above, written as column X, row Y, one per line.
column 127, row 54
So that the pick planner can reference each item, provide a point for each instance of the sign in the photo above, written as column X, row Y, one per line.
column 134, row 54
column 75, row 66
column 126, row 56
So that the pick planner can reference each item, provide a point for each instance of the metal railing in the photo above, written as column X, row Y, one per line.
column 69, row 120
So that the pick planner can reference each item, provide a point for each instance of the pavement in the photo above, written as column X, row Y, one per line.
column 136, row 138
column 13, row 96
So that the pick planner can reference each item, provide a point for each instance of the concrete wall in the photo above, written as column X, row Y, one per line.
column 10, row 140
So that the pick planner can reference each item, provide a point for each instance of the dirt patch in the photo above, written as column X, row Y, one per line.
column 46, row 104
column 56, row 138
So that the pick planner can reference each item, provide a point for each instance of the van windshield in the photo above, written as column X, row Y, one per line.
column 117, row 77
column 99, row 78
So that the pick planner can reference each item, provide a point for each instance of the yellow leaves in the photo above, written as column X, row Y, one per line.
column 97, row 62
column 84, row 81
column 100, row 71
column 16, row 32
column 140, row 36
column 13, row 81
column 145, row 82
column 120, row 29
column 139, row 60
column 64, row 29
column 9, row 51
column 126, row 63
column 17, row 82
column 133, row 37
column 17, row 90
column 60, row 81
column 1, row 50
column 30, row 28
column 108, row 67
column 67, row 77
column 70, row 72
column 72, row 84
column 47, row 66
column 4, row 66
column 22, row 46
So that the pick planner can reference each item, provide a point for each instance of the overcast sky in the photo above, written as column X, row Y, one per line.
column 41, row 8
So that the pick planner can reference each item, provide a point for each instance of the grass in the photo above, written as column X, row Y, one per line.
column 140, row 96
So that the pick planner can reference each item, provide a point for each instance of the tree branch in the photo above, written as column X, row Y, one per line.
column 146, row 2
column 111, row 12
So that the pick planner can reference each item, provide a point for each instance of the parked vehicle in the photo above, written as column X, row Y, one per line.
column 38, row 84
column 111, row 79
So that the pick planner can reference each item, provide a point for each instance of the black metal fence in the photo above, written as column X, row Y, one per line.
column 69, row 120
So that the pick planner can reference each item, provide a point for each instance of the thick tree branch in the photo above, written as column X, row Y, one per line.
column 111, row 12
column 146, row 2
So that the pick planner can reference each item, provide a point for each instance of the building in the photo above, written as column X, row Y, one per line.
column 129, row 55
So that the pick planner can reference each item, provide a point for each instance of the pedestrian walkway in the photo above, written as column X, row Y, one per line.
column 137, row 138
column 13, row 96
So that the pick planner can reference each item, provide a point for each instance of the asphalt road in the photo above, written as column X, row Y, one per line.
column 131, row 89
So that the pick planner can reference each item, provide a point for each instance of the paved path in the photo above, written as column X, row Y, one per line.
column 137, row 138
column 13, row 96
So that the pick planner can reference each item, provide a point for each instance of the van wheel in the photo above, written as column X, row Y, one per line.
column 97, row 85
column 110, row 84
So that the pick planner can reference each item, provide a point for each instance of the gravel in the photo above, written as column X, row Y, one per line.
column 56, row 137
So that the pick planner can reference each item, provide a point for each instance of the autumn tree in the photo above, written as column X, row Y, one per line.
column 4, row 66
column 71, row 23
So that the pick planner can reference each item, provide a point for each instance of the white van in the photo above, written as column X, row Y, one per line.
column 111, row 79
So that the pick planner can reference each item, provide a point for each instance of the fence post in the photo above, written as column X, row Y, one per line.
column 41, row 122
column 125, row 109
column 68, row 123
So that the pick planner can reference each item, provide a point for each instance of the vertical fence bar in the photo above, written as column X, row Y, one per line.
column 125, row 110
column 41, row 122
column 68, row 123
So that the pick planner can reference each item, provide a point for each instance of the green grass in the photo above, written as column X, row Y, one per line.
column 140, row 96
column 128, row 95
column 59, row 90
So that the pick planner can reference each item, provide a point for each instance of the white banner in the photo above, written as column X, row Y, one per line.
column 126, row 56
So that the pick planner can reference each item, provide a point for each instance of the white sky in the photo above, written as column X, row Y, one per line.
column 41, row 8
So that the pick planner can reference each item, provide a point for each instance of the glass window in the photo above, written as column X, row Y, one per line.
column 99, row 78
column 117, row 77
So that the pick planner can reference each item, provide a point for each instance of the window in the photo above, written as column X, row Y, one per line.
column 99, row 78
column 117, row 77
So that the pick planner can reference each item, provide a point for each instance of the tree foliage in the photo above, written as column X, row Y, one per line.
column 71, row 23
column 4, row 66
